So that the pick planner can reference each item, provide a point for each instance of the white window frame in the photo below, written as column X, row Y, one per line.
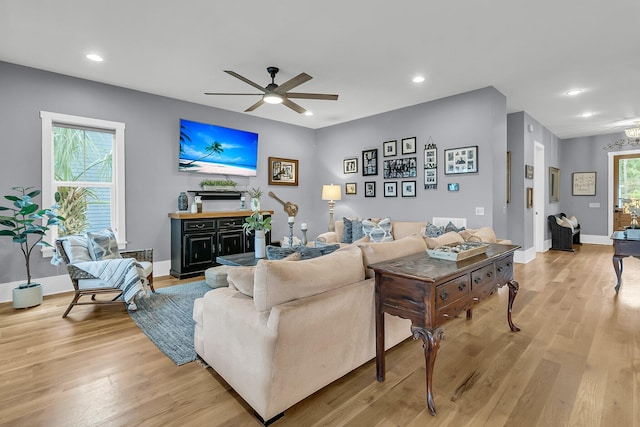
column 50, row 119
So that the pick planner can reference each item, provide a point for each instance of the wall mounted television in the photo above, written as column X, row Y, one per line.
column 207, row 148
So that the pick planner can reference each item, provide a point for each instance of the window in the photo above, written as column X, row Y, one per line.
column 83, row 160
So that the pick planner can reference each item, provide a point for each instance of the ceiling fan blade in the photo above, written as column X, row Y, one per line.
column 296, row 81
column 215, row 93
column 244, row 79
column 312, row 96
column 254, row 106
column 295, row 107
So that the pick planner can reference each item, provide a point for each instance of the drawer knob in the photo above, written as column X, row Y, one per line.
column 489, row 274
column 500, row 269
column 444, row 295
column 477, row 279
column 461, row 286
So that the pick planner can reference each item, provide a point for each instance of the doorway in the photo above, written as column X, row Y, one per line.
column 539, row 222
column 624, row 185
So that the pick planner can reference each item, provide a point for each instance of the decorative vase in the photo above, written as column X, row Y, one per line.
column 198, row 202
column 183, row 202
column 27, row 297
column 260, row 244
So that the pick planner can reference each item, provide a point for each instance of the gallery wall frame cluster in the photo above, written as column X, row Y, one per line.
column 400, row 168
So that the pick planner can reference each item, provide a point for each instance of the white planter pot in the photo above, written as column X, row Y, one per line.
column 260, row 244
column 27, row 297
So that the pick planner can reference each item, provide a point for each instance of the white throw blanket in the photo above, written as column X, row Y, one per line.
column 121, row 273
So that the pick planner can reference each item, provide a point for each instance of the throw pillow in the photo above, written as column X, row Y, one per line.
column 451, row 227
column 103, row 245
column 277, row 253
column 352, row 230
column 378, row 231
column 573, row 221
column 433, row 230
column 564, row 222
column 76, row 248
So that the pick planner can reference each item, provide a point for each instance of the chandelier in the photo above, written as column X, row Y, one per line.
column 632, row 140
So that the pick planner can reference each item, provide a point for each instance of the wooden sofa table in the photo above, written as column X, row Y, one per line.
column 430, row 291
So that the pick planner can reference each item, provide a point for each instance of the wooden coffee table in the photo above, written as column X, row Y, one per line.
column 430, row 291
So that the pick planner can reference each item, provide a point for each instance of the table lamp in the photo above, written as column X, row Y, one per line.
column 331, row 193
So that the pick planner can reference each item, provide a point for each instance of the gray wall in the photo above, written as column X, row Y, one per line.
column 153, row 181
column 586, row 154
column 152, row 143
column 473, row 118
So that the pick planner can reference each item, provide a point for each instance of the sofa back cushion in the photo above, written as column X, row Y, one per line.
column 484, row 234
column 445, row 239
column 378, row 252
column 277, row 282
column 402, row 229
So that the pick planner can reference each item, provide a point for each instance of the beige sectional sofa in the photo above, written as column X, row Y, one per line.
column 401, row 229
column 284, row 329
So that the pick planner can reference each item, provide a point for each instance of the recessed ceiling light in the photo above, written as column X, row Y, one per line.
column 418, row 79
column 586, row 115
column 574, row 92
column 308, row 113
column 95, row 57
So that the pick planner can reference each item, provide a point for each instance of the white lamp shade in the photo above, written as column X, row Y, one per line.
column 331, row 192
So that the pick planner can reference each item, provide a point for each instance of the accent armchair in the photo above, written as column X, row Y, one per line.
column 115, row 276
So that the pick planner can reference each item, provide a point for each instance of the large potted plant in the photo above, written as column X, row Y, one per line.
column 27, row 225
column 259, row 226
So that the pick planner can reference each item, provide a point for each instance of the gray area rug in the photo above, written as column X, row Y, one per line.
column 166, row 317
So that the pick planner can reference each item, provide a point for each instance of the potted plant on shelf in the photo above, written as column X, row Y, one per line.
column 259, row 226
column 217, row 184
column 255, row 194
column 23, row 226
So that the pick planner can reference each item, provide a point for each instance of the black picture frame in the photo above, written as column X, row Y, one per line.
column 453, row 186
column 390, row 148
column 350, row 165
column 390, row 189
column 430, row 167
column 461, row 160
column 370, row 189
column 409, row 145
column 406, row 167
column 408, row 188
column 350, row 188
column 370, row 162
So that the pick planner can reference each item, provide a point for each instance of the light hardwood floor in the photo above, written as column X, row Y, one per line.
column 576, row 362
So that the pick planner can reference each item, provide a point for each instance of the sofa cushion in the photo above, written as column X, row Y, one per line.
column 445, row 239
column 372, row 252
column 402, row 229
column 378, row 230
column 484, row 234
column 241, row 277
column 76, row 248
column 103, row 245
column 276, row 282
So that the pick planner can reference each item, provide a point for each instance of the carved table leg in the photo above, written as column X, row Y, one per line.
column 617, row 266
column 430, row 343
column 380, row 363
column 513, row 290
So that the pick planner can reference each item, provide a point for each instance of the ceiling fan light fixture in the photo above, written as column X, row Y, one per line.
column 272, row 98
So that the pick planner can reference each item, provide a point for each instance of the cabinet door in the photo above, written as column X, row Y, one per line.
column 230, row 242
column 199, row 249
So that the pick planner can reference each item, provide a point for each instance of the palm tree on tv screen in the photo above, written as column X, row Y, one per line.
column 213, row 148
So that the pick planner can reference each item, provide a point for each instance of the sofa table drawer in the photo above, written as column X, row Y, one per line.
column 452, row 291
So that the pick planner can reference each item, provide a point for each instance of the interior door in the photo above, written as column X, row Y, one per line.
column 626, row 189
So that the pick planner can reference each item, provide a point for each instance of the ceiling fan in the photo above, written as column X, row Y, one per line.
column 277, row 94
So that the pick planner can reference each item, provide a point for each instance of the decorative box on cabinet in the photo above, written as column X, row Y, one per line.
column 198, row 238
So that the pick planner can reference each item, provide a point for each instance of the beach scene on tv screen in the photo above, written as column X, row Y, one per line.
column 207, row 148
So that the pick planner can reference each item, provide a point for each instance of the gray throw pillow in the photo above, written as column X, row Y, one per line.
column 103, row 245
column 451, row 227
column 352, row 230
column 433, row 230
column 276, row 252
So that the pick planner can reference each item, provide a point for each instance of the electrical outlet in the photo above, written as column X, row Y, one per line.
column 479, row 211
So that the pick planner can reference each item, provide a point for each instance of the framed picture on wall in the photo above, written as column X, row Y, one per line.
column 350, row 165
column 350, row 188
column 389, row 148
column 461, row 160
column 554, row 185
column 370, row 189
column 409, row 145
column 584, row 184
column 408, row 188
column 390, row 189
column 283, row 171
column 370, row 162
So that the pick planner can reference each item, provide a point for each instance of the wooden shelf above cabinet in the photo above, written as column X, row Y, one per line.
column 215, row 214
column 217, row 195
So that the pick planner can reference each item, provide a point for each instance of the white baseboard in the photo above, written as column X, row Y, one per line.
column 524, row 256
column 595, row 240
column 62, row 283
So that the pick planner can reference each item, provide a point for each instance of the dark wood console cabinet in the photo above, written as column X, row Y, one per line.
column 197, row 239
